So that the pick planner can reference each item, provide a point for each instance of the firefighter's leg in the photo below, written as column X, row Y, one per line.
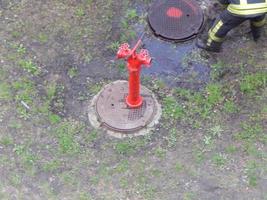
column 224, row 23
column 224, row 3
column 256, row 25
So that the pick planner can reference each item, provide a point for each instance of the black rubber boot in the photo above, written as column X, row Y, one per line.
column 256, row 33
column 214, row 47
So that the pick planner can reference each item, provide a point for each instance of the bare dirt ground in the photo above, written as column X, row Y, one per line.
column 55, row 55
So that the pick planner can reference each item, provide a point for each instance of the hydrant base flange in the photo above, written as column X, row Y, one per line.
column 113, row 114
column 136, row 104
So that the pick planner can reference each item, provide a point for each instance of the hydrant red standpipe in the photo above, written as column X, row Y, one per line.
column 134, row 65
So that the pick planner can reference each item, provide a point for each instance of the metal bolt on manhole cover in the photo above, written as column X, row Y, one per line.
column 110, row 111
column 176, row 20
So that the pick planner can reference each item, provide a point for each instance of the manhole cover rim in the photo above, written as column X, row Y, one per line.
column 140, row 124
column 198, row 14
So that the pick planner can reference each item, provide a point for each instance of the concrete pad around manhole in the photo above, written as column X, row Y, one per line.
column 108, row 110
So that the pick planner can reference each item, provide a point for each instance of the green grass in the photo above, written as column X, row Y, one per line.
column 5, row 91
column 172, row 110
column 214, row 94
column 25, row 93
column 252, row 82
column 251, row 131
column 27, row 157
column 172, row 138
column 65, row 133
column 251, row 172
column 125, row 147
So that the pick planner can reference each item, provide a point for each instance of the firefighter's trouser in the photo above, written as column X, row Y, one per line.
column 226, row 22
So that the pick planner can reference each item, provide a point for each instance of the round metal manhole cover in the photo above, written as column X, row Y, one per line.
column 177, row 20
column 114, row 114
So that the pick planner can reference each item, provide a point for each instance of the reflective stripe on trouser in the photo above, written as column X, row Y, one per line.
column 258, row 22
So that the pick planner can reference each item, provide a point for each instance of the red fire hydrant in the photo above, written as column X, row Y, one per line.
column 134, row 65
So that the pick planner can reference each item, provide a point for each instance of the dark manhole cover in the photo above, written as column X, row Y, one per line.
column 114, row 114
column 177, row 20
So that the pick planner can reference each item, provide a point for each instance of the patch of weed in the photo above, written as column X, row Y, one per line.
column 219, row 159
column 80, row 12
column 171, row 109
column 23, row 151
column 231, row 149
column 214, row 94
column 217, row 69
column 5, row 92
column 91, row 137
column 131, row 14
column 6, row 140
column 54, row 118
column 85, row 196
column 230, row 107
column 15, row 124
column 122, row 167
column 114, row 46
column 178, row 167
column 51, row 166
column 189, row 196
column 15, row 179
column 51, row 90
column 72, row 72
column 95, row 88
column 68, row 178
column 25, row 92
column 216, row 131
column 172, row 138
column 252, row 82
column 251, row 131
column 65, row 132
column 30, row 67
column 198, row 156
column 160, row 152
column 42, row 37
column 124, row 183
column 125, row 147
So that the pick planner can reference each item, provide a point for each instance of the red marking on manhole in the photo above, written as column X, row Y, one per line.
column 174, row 12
